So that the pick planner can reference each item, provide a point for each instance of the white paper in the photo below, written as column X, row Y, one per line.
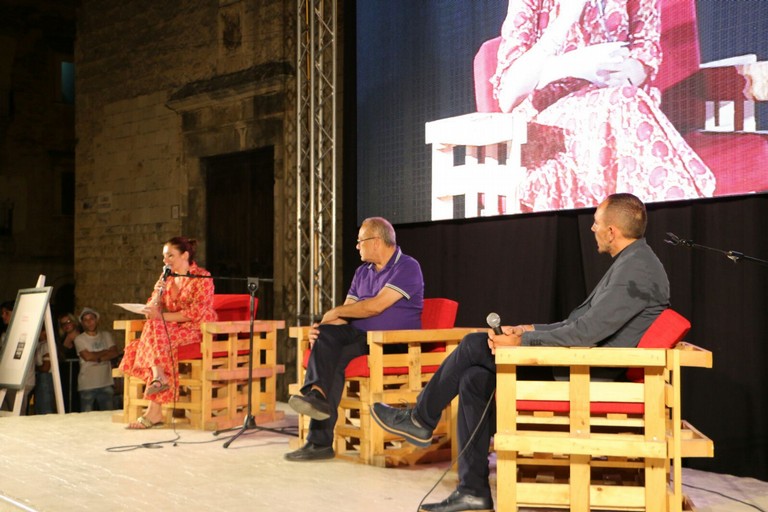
column 139, row 309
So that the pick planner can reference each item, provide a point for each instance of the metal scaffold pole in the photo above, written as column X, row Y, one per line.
column 316, row 164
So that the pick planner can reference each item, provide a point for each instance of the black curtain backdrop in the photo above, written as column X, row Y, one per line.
column 537, row 268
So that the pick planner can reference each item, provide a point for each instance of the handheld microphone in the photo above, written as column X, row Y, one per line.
column 494, row 322
column 160, row 285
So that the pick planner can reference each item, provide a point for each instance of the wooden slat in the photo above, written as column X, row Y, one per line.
column 572, row 356
column 420, row 335
column 691, row 355
column 242, row 326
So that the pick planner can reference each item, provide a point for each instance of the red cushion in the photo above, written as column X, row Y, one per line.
column 594, row 407
column 233, row 306
column 191, row 351
column 229, row 307
column 668, row 328
column 664, row 332
column 439, row 313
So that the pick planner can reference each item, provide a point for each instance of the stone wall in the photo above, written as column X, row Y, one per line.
column 161, row 86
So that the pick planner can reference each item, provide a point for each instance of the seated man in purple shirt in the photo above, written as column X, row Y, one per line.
column 387, row 292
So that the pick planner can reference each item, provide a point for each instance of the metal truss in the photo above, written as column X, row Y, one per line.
column 316, row 171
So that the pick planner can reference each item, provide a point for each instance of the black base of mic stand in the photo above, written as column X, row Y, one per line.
column 249, row 422
column 734, row 256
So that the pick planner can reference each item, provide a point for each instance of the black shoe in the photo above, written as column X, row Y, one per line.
column 313, row 404
column 459, row 502
column 400, row 422
column 310, row 451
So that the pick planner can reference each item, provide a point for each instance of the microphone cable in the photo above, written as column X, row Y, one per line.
column 483, row 417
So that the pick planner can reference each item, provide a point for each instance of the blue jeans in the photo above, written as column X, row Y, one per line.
column 99, row 396
column 44, row 401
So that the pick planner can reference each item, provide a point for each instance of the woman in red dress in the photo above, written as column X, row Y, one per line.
column 177, row 307
column 580, row 71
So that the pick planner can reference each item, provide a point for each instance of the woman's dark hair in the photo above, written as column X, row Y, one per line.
column 184, row 244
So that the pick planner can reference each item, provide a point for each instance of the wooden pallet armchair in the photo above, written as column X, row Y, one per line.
column 390, row 378
column 213, row 375
column 584, row 445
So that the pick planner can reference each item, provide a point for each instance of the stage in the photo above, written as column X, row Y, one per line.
column 70, row 462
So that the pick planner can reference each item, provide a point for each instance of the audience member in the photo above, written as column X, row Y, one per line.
column 6, row 310
column 96, row 350
column 69, row 362
column 43, row 393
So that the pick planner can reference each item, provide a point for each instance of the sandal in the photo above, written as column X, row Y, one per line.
column 156, row 386
column 142, row 423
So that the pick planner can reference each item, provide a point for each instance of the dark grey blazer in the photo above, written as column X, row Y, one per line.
column 629, row 297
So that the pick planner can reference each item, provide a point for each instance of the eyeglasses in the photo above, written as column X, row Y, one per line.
column 359, row 241
column 65, row 322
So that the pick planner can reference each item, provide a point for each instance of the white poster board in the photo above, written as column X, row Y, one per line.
column 22, row 335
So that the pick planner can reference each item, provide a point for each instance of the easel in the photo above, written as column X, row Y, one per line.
column 54, row 358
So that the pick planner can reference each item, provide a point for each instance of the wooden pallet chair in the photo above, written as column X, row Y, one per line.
column 585, row 445
column 213, row 374
column 390, row 378
column 225, row 354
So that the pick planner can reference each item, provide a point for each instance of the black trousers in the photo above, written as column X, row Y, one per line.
column 470, row 373
column 334, row 348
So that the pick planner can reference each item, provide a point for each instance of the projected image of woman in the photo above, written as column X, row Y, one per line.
column 581, row 73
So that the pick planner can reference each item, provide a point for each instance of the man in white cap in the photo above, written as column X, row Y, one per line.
column 96, row 350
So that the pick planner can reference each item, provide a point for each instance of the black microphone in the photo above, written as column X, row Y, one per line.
column 160, row 285
column 494, row 322
column 673, row 239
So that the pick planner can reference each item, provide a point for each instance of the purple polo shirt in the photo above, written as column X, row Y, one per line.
column 402, row 273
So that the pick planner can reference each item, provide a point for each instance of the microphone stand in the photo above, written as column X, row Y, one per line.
column 249, row 422
column 734, row 256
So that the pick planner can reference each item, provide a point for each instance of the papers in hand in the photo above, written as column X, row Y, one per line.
column 139, row 309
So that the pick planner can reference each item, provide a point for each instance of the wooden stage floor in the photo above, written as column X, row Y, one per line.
column 64, row 463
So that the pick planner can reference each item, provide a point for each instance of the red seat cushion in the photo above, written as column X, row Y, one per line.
column 437, row 313
column 669, row 328
column 234, row 306
column 228, row 307
column 594, row 407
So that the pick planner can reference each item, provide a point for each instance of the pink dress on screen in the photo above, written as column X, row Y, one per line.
column 189, row 296
column 585, row 141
